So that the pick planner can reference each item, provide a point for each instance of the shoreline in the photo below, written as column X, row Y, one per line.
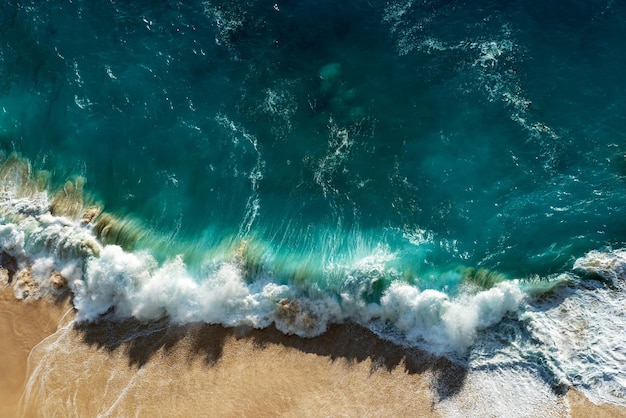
column 23, row 325
column 128, row 367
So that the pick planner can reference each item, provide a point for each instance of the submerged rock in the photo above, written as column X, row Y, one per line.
column 330, row 71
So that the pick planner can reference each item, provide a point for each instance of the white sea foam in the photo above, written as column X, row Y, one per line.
column 580, row 334
column 133, row 284
column 571, row 337
column 583, row 334
column 491, row 61
column 255, row 173
column 339, row 147
column 12, row 239
column 515, row 393
column 109, row 279
column 608, row 265
column 445, row 324
column 228, row 20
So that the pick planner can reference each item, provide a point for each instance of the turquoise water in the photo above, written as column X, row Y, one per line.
column 363, row 154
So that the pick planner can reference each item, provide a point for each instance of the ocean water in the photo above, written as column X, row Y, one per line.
column 450, row 175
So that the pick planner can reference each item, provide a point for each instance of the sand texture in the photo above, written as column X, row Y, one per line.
column 52, row 367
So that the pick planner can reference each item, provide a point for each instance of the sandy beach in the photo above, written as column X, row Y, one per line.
column 49, row 366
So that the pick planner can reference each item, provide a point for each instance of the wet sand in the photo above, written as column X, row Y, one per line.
column 127, row 368
column 581, row 407
column 23, row 325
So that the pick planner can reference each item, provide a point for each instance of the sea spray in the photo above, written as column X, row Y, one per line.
column 446, row 176
column 443, row 323
column 236, row 289
column 245, row 285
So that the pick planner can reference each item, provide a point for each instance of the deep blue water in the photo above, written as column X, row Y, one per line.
column 446, row 134
column 495, row 127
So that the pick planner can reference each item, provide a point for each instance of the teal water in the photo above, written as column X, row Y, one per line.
column 481, row 126
column 344, row 149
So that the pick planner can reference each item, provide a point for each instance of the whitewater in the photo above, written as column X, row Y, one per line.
column 577, row 347
column 449, row 177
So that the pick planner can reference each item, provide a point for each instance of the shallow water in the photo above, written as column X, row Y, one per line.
column 450, row 177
